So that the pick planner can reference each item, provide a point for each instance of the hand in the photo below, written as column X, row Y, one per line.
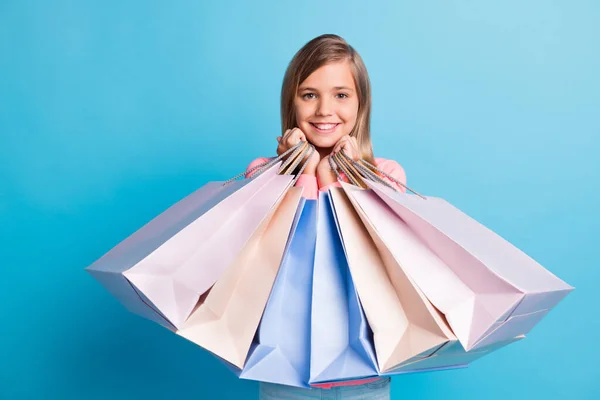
column 349, row 145
column 292, row 137
column 325, row 175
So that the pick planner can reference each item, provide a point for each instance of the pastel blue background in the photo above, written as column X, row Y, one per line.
column 112, row 110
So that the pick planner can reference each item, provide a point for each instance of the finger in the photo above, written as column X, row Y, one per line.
column 278, row 139
column 350, row 142
column 298, row 136
column 335, row 148
column 289, row 138
column 339, row 144
column 343, row 145
column 344, row 142
column 294, row 137
column 302, row 135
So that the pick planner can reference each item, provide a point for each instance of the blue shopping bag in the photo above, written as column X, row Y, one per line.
column 341, row 341
column 281, row 353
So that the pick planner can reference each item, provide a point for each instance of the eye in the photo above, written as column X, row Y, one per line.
column 306, row 96
column 342, row 95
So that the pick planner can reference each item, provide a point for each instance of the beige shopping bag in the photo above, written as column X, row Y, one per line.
column 227, row 317
column 406, row 327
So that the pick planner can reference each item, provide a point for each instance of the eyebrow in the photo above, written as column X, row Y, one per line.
column 315, row 90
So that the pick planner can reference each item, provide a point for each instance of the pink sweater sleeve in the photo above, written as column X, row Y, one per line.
column 307, row 182
column 393, row 169
column 390, row 167
column 253, row 164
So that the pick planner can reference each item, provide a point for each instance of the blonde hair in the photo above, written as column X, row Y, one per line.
column 319, row 51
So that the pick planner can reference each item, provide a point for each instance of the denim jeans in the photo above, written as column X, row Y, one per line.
column 378, row 390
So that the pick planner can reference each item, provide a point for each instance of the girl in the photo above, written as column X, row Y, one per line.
column 326, row 100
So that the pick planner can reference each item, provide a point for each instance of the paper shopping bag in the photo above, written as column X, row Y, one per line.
column 451, row 356
column 340, row 346
column 374, row 270
column 406, row 327
column 228, row 316
column 488, row 290
column 281, row 353
column 161, row 270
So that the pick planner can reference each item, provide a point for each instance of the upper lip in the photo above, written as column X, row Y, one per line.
column 325, row 123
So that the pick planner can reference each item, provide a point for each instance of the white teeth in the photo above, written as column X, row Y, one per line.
column 325, row 126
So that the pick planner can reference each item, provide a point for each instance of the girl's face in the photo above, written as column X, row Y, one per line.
column 327, row 104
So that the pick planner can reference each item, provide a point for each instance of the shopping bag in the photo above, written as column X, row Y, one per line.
column 406, row 327
column 340, row 346
column 108, row 270
column 281, row 353
column 401, row 317
column 227, row 317
column 488, row 290
column 161, row 270
column 451, row 356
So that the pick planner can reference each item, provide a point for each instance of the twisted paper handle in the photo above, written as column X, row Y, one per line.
column 353, row 175
column 298, row 152
column 364, row 170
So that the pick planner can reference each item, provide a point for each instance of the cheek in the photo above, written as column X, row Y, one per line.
column 303, row 111
column 349, row 114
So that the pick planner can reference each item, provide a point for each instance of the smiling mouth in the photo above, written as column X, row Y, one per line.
column 325, row 128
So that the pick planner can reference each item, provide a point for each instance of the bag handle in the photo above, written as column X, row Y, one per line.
column 298, row 152
column 351, row 173
column 366, row 170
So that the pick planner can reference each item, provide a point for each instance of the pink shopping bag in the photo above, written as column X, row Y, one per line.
column 160, row 271
column 488, row 290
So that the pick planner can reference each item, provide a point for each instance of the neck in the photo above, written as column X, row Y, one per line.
column 323, row 151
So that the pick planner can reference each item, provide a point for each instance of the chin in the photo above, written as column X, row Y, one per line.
column 322, row 142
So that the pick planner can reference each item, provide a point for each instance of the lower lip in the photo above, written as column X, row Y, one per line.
column 325, row 130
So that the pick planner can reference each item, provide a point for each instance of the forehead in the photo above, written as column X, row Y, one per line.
column 330, row 76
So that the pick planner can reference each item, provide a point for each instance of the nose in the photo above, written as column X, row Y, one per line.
column 324, row 108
